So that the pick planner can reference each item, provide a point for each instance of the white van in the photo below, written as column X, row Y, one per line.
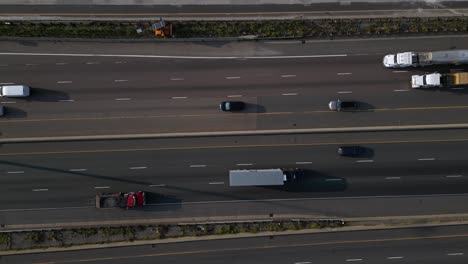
column 14, row 91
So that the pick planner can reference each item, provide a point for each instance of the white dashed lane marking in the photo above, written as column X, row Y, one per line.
column 179, row 97
column 232, row 77
column 399, row 257
column 157, row 185
column 216, row 183
column 102, row 187
column 303, row 162
column 61, row 63
column 344, row 73
column 138, row 168
column 289, row 94
column 120, row 62
column 244, row 164
column 120, row 80
column 235, row 95
column 9, row 102
column 351, row 260
column 63, row 82
column 6, row 83
column 399, row 71
column 197, row 166
column 123, row 99
column 77, row 170
column 15, row 172
column 402, row 90
column 333, row 179
column 426, row 159
column 455, row 254
column 454, row 176
column 177, row 79
column 364, row 161
column 67, row 100
column 40, row 190
column 392, row 178
column 288, row 76
column 92, row 62
column 345, row 92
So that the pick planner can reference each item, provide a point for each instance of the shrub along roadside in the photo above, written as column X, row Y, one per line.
column 21, row 240
column 261, row 29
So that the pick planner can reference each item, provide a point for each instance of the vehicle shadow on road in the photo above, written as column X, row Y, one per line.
column 47, row 95
column 435, row 68
column 314, row 181
column 74, row 173
column 460, row 90
column 13, row 113
column 364, row 107
column 160, row 202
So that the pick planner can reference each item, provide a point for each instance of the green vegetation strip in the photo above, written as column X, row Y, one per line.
column 59, row 238
column 317, row 28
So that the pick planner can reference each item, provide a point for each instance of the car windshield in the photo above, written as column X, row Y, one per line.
column 228, row 106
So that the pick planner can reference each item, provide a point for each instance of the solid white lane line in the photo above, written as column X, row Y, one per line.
column 67, row 100
column 235, row 95
column 9, row 102
column 392, row 178
column 138, row 168
column 303, row 162
column 345, row 92
column 179, row 97
column 177, row 79
column 399, row 257
column 61, row 63
column 455, row 254
column 344, row 73
column 15, row 172
column 426, row 159
column 62, row 82
column 353, row 260
column 77, row 169
column 7, row 83
column 399, row 71
column 123, row 99
column 215, row 183
column 40, row 190
column 197, row 166
column 232, row 77
column 288, row 76
column 402, row 90
column 244, row 164
column 364, row 161
column 166, row 56
column 120, row 80
column 157, row 185
column 454, row 176
column 289, row 94
column 101, row 187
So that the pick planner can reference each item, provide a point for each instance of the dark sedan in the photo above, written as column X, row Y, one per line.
column 229, row 106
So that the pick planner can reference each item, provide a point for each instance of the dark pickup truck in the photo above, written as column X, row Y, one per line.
column 338, row 105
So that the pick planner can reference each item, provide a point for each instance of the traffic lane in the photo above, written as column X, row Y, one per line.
column 411, row 245
column 203, row 174
column 171, row 77
column 126, row 116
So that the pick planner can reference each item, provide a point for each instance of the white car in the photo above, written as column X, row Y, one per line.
column 14, row 91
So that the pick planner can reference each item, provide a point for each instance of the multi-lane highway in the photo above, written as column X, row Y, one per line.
column 418, row 245
column 83, row 89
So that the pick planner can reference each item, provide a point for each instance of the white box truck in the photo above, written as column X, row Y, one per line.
column 265, row 177
column 415, row 59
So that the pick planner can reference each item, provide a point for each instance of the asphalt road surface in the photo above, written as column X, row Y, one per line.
column 234, row 11
column 95, row 95
column 66, row 176
column 414, row 245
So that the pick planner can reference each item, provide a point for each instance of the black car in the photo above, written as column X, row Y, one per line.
column 338, row 105
column 349, row 151
column 229, row 106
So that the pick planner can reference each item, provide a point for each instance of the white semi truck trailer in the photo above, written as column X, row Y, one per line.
column 415, row 59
